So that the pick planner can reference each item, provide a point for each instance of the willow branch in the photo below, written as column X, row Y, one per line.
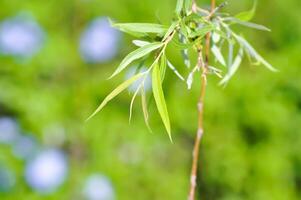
column 204, row 66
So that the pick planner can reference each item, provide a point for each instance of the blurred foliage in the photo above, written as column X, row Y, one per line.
column 251, row 149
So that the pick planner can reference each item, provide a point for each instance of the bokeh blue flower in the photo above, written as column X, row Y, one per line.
column 20, row 36
column 47, row 171
column 98, row 187
column 9, row 130
column 99, row 42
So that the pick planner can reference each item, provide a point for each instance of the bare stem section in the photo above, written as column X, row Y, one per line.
column 200, row 131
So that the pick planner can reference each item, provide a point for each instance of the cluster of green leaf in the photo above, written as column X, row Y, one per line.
column 187, row 32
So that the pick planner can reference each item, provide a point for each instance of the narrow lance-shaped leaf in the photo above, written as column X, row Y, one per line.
column 140, row 43
column 133, row 100
column 139, row 53
column 144, row 108
column 247, row 15
column 159, row 98
column 163, row 66
column 140, row 29
column 248, row 24
column 218, row 55
column 189, row 80
column 233, row 68
column 184, row 52
column 175, row 70
column 253, row 53
column 115, row 92
column 230, row 50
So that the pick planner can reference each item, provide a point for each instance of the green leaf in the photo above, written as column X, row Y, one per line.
column 249, row 24
column 139, row 53
column 159, row 98
column 140, row 43
column 175, row 70
column 163, row 66
column 144, row 108
column 253, row 53
column 247, row 15
column 184, row 52
column 230, row 50
column 141, row 29
column 115, row 92
column 218, row 55
column 233, row 68
column 179, row 7
column 133, row 100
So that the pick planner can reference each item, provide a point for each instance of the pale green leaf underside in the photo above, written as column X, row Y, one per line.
column 233, row 68
column 218, row 55
column 249, row 24
column 159, row 98
column 139, row 53
column 140, row 43
column 253, row 53
column 115, row 92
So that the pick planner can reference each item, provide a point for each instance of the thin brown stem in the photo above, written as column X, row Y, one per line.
column 200, row 131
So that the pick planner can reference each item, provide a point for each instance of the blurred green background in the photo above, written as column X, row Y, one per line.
column 252, row 143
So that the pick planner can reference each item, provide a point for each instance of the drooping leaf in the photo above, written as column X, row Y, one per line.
column 189, row 80
column 144, row 108
column 140, row 29
column 115, row 92
column 233, row 68
column 175, row 70
column 184, row 52
column 140, row 43
column 139, row 53
column 163, row 66
column 218, row 55
column 247, row 15
column 186, row 57
column 249, row 24
column 253, row 53
column 133, row 100
column 215, row 37
column 214, row 70
column 159, row 98
column 230, row 50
